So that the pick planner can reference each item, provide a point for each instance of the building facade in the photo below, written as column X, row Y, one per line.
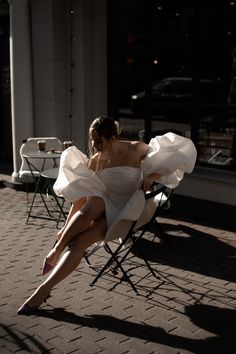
column 153, row 65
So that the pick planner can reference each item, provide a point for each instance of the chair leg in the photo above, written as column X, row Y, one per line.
column 147, row 263
column 27, row 193
column 120, row 255
column 112, row 259
column 116, row 260
column 32, row 202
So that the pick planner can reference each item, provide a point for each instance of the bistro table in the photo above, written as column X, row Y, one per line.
column 32, row 158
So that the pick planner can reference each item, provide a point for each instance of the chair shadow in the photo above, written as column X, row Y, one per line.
column 11, row 335
column 197, row 251
column 220, row 342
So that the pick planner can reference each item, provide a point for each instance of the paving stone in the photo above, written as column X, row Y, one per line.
column 175, row 314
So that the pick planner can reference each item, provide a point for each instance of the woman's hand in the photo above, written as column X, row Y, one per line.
column 147, row 181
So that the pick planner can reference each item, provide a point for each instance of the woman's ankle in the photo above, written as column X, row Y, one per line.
column 45, row 290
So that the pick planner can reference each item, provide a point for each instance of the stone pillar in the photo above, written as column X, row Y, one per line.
column 21, row 78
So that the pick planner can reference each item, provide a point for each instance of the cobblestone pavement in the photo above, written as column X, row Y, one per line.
column 190, row 309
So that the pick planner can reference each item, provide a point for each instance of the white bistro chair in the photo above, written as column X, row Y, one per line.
column 31, row 145
column 31, row 168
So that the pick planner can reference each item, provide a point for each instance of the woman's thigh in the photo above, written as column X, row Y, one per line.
column 95, row 233
column 81, row 220
column 78, row 204
column 94, row 208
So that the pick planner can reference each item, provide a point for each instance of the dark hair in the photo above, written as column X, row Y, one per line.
column 101, row 127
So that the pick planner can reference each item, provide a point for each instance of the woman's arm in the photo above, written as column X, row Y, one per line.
column 147, row 181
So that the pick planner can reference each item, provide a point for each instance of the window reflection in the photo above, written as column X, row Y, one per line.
column 162, row 73
column 216, row 144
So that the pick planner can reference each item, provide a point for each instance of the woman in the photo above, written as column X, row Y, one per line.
column 99, row 188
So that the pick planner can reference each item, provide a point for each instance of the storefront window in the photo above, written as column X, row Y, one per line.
column 216, row 132
column 173, row 68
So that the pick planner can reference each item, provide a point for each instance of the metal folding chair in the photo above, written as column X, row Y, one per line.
column 156, row 199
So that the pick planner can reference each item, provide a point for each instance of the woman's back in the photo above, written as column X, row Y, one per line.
column 121, row 153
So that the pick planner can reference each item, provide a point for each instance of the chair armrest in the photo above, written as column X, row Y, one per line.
column 156, row 189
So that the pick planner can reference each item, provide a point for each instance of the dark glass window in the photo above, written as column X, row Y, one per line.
column 172, row 67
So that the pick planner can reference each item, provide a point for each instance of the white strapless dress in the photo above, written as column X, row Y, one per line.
column 170, row 155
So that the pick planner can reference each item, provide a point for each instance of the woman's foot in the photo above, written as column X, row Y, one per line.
column 51, row 260
column 34, row 301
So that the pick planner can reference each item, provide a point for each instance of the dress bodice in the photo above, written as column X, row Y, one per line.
column 121, row 180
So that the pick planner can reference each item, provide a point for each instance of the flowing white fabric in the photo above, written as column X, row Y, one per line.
column 170, row 154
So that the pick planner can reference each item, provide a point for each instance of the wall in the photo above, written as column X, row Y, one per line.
column 210, row 185
column 206, row 196
column 49, row 66
column 51, row 33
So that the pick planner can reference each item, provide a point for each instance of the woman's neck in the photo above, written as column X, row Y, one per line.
column 110, row 147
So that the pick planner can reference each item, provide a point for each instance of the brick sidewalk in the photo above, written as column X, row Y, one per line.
column 191, row 309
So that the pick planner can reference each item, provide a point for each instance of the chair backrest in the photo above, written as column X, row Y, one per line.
column 31, row 145
column 154, row 201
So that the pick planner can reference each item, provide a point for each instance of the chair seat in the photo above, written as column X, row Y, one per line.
column 31, row 146
column 28, row 173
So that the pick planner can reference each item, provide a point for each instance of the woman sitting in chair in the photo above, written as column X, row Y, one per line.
column 100, row 186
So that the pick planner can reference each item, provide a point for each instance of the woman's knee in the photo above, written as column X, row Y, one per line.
column 77, row 204
column 95, row 233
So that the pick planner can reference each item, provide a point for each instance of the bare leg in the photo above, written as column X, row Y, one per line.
column 79, row 222
column 68, row 262
column 74, row 208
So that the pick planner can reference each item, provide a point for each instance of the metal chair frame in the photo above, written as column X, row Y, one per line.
column 131, row 240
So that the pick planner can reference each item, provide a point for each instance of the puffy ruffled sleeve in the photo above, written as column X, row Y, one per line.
column 75, row 179
column 170, row 155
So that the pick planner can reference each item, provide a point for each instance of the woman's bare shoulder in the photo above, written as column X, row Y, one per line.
column 136, row 148
column 137, row 144
column 140, row 147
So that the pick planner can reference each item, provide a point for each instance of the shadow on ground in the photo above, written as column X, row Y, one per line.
column 18, row 339
column 218, row 322
column 196, row 251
